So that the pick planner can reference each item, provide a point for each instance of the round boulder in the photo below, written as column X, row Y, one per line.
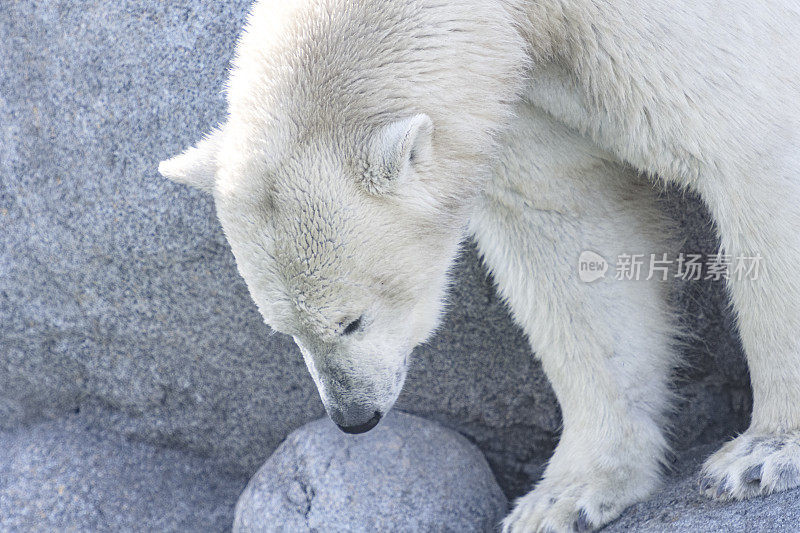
column 407, row 474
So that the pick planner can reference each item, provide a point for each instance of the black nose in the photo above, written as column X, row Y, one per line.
column 362, row 428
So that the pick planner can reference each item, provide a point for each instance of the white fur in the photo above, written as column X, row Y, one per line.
column 363, row 138
column 607, row 346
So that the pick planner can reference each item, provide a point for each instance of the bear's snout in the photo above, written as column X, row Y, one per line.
column 355, row 420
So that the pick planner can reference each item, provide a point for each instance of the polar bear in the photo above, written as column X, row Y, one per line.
column 366, row 140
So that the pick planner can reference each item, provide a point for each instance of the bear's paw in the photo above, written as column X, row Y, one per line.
column 570, row 503
column 753, row 464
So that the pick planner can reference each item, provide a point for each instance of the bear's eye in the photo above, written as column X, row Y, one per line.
column 353, row 326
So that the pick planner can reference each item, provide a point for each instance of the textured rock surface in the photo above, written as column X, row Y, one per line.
column 117, row 289
column 63, row 476
column 408, row 474
column 679, row 507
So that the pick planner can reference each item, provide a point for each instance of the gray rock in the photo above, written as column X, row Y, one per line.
column 63, row 476
column 66, row 475
column 118, row 290
column 679, row 507
column 408, row 474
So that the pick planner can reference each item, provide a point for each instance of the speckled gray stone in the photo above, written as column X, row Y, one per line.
column 63, row 476
column 408, row 474
column 679, row 507
column 118, row 290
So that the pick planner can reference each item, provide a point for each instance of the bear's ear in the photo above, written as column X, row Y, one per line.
column 197, row 166
column 398, row 146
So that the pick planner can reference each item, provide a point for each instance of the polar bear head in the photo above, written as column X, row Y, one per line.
column 357, row 137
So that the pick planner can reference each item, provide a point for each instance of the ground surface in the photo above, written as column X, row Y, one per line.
column 63, row 474
column 679, row 507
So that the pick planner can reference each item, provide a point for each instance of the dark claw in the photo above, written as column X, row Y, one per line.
column 752, row 476
column 582, row 524
column 721, row 489
column 705, row 483
column 671, row 457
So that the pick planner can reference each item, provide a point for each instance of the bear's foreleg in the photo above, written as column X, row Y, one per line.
column 758, row 218
column 606, row 346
